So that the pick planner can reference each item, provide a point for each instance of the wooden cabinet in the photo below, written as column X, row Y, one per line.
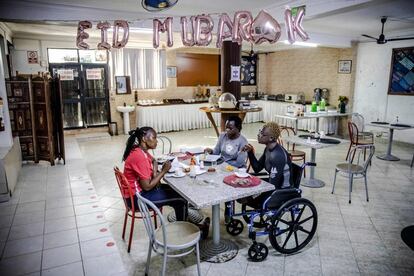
column 32, row 105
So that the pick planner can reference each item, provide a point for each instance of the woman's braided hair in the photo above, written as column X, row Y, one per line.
column 135, row 138
column 274, row 129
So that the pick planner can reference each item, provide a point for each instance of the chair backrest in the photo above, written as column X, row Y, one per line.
column 358, row 120
column 353, row 132
column 287, row 131
column 124, row 187
column 145, row 206
column 361, row 148
column 164, row 145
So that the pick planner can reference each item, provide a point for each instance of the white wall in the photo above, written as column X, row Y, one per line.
column 371, row 97
column 6, row 139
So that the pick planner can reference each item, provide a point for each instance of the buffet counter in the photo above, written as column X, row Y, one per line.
column 175, row 117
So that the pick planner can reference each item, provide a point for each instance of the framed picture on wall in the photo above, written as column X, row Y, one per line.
column 171, row 72
column 344, row 66
column 402, row 72
column 123, row 85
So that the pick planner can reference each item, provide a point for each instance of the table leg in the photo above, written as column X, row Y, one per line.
column 217, row 250
column 296, row 125
column 211, row 119
column 388, row 156
column 336, row 126
column 317, row 124
column 312, row 182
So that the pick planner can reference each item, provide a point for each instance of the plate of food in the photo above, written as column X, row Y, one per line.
column 164, row 158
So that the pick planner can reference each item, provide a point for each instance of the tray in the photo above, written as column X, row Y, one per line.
column 400, row 125
column 328, row 141
column 380, row 123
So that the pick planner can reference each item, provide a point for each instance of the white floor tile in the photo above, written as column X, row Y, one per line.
column 21, row 264
column 23, row 246
column 60, row 256
column 98, row 247
column 94, row 232
column 73, row 269
column 59, row 239
column 26, row 230
column 59, row 225
column 103, row 265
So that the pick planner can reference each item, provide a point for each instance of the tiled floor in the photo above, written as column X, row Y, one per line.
column 57, row 220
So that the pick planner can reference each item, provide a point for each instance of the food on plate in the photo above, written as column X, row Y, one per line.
column 241, row 181
column 229, row 168
column 186, row 169
column 211, row 169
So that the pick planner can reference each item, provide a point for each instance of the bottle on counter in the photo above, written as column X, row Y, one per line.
column 314, row 107
column 322, row 105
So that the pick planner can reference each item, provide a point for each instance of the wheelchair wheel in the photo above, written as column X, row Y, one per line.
column 294, row 225
column 260, row 222
column 234, row 227
column 258, row 252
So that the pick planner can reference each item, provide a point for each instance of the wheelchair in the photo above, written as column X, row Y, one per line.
column 289, row 220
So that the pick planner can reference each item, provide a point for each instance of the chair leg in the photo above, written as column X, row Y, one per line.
column 148, row 259
column 353, row 156
column 198, row 259
column 304, row 169
column 155, row 220
column 366, row 186
column 365, row 153
column 349, row 149
column 130, row 234
column 125, row 223
column 412, row 161
column 351, row 176
column 164, row 263
column 333, row 187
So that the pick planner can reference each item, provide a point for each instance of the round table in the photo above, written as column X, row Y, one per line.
column 225, row 114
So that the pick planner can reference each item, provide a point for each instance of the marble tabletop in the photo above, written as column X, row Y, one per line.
column 312, row 143
column 209, row 189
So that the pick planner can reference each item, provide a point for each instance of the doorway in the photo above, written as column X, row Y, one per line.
column 85, row 95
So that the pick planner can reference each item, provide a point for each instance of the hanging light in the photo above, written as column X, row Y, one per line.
column 157, row 5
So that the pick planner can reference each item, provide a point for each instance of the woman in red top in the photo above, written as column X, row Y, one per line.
column 140, row 170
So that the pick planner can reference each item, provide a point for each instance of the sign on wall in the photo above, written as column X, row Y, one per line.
column 32, row 57
column 65, row 74
column 94, row 74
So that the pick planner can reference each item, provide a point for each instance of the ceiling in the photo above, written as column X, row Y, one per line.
column 332, row 23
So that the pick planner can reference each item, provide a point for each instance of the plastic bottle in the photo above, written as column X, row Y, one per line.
column 314, row 107
column 322, row 105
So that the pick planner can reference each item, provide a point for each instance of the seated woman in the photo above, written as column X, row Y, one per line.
column 231, row 143
column 275, row 160
column 140, row 170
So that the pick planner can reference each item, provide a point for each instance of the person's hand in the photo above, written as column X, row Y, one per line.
column 247, row 148
column 166, row 167
column 208, row 150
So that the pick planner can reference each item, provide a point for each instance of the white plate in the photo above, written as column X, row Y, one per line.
column 212, row 158
column 164, row 158
column 178, row 175
column 241, row 175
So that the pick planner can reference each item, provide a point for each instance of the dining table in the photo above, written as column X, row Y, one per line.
column 315, row 144
column 208, row 189
column 391, row 127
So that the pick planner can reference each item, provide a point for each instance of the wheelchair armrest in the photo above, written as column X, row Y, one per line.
column 310, row 164
column 260, row 174
column 286, row 191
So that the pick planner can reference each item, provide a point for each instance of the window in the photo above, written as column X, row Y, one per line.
column 74, row 55
column 146, row 67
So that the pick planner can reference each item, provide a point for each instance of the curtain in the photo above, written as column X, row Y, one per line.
column 146, row 67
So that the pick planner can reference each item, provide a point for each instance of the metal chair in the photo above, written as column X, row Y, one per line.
column 350, row 169
column 133, row 211
column 359, row 121
column 295, row 155
column 356, row 140
column 179, row 237
column 166, row 144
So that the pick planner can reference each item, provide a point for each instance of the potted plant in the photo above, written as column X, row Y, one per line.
column 343, row 101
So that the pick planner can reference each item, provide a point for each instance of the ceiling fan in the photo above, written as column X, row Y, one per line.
column 381, row 39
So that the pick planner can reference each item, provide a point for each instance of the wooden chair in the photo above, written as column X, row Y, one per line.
column 133, row 211
column 356, row 139
column 295, row 155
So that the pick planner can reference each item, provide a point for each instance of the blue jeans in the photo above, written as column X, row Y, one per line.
column 164, row 195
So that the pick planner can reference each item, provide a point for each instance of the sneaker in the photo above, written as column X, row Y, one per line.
column 204, row 228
